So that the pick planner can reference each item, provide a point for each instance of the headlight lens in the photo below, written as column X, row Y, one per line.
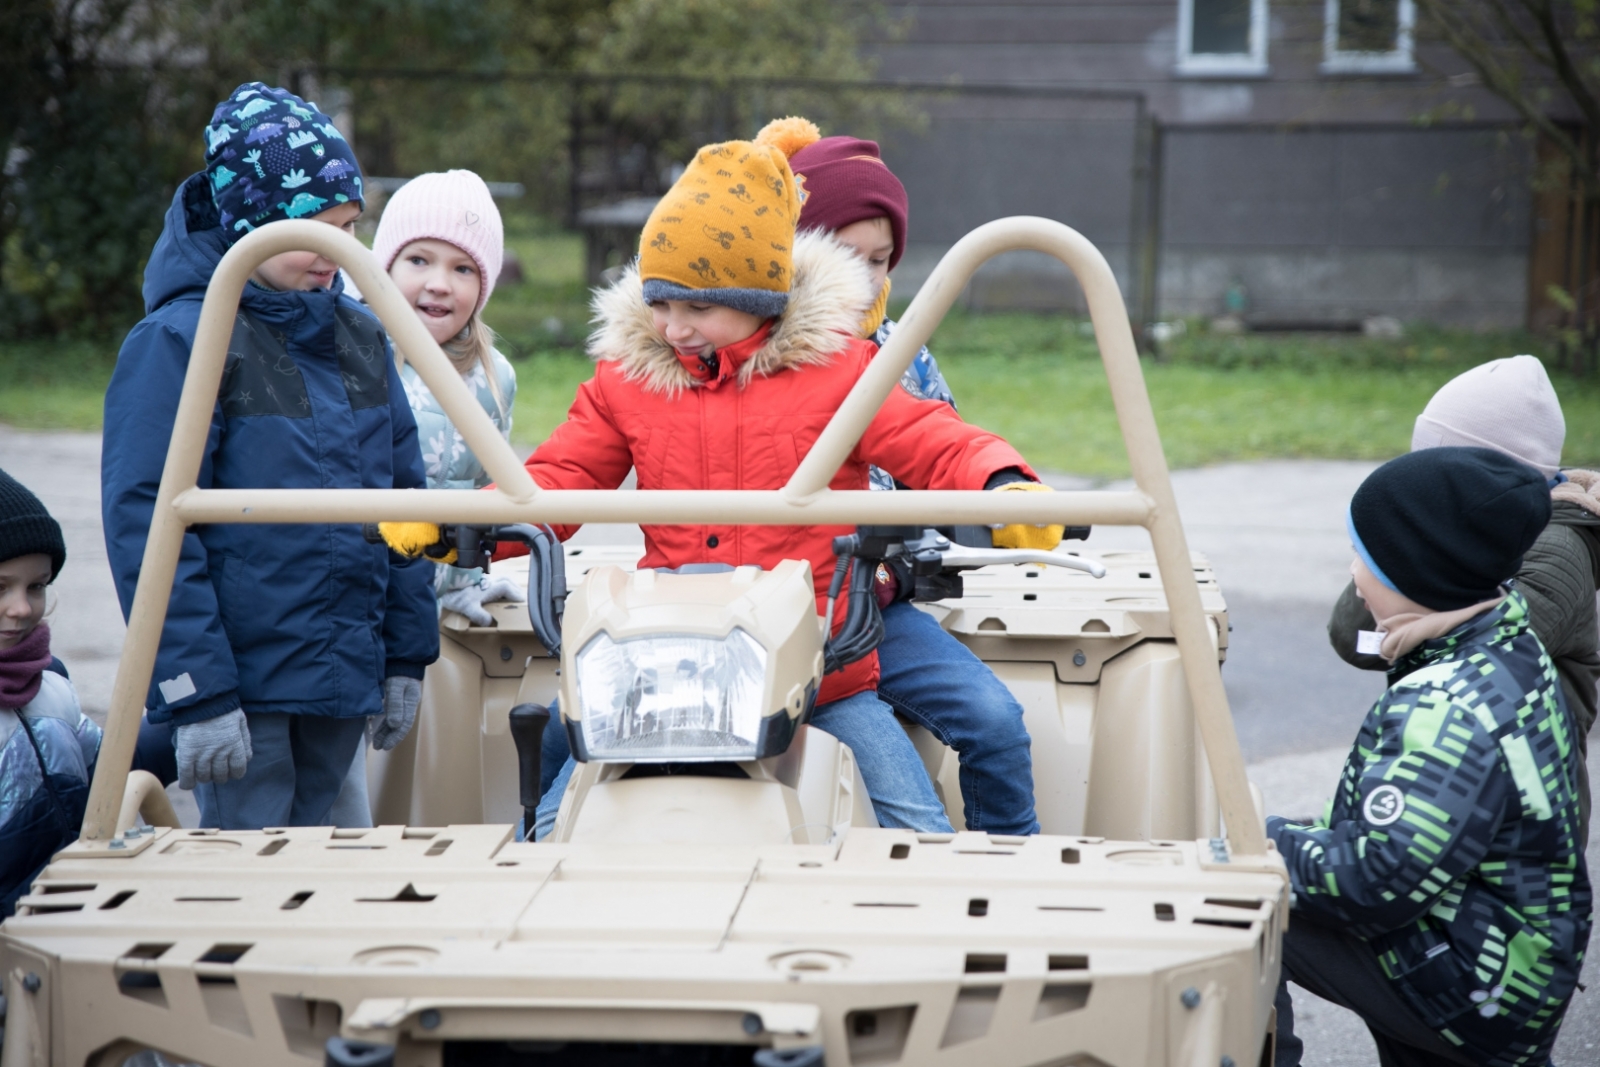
column 673, row 697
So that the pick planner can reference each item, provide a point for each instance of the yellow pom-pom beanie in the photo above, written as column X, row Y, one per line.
column 724, row 233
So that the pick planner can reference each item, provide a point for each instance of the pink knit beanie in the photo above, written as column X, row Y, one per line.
column 1506, row 404
column 453, row 206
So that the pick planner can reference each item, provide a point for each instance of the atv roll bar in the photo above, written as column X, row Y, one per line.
column 806, row 500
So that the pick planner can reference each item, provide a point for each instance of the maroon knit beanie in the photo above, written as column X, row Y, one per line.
column 846, row 181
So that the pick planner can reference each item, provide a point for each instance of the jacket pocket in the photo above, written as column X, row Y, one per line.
column 788, row 452
column 225, row 581
column 233, row 604
column 650, row 447
column 1433, row 976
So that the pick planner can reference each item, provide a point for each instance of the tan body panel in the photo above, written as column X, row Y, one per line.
column 511, row 940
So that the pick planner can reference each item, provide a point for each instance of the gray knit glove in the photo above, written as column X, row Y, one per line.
column 469, row 600
column 401, row 696
column 212, row 751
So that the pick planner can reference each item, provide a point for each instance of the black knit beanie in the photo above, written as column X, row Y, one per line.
column 1446, row 526
column 26, row 527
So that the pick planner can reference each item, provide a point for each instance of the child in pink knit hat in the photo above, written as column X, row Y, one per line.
column 441, row 240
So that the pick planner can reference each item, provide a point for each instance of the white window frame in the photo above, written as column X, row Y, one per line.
column 1399, row 60
column 1251, row 64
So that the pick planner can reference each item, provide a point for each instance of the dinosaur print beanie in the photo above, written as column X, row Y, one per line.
column 724, row 233
column 272, row 156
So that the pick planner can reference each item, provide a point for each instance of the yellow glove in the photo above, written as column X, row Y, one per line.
column 413, row 539
column 1024, row 535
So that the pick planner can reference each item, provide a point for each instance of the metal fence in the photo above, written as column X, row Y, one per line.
column 966, row 153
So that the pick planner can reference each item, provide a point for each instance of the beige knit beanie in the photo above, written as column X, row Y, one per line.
column 453, row 206
column 1507, row 404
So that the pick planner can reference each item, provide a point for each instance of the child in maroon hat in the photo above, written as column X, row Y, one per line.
column 853, row 194
column 925, row 674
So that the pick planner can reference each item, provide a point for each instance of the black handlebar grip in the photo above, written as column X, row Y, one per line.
column 527, row 731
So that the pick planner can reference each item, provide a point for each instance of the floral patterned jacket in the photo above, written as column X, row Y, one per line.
column 446, row 459
column 922, row 380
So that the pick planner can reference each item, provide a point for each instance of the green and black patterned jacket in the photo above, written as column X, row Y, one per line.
column 1451, row 845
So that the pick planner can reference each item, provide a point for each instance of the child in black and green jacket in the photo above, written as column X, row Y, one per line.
column 1444, row 898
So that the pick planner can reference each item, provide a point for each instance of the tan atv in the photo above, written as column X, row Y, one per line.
column 743, row 909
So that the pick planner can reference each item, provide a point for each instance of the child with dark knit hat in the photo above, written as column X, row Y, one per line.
column 721, row 354
column 1444, row 897
column 47, row 745
column 281, row 643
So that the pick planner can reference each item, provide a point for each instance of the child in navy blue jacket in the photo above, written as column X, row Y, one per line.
column 281, row 642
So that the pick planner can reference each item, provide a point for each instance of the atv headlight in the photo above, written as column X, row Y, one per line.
column 671, row 697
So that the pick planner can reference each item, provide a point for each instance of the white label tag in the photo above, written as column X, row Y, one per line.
column 175, row 689
column 1369, row 642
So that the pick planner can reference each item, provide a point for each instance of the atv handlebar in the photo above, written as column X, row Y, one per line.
column 960, row 556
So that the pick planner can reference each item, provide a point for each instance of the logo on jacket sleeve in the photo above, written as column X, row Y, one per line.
column 1384, row 805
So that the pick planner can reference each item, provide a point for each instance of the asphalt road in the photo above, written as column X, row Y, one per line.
column 1274, row 532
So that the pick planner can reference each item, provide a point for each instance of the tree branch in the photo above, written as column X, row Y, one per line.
column 1475, row 45
column 1571, row 80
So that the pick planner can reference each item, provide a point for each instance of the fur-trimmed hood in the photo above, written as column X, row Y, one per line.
column 1581, row 488
column 827, row 302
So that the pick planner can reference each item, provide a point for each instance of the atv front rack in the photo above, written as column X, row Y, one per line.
column 805, row 500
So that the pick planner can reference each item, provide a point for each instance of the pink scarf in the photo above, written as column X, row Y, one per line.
column 20, row 667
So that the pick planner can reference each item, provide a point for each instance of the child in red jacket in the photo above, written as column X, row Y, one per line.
column 721, row 355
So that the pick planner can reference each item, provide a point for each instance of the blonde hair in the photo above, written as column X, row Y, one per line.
column 475, row 345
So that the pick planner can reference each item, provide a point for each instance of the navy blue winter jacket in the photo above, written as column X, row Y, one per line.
column 283, row 618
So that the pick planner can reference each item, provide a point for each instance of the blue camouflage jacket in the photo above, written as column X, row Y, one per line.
column 1452, row 844
column 305, row 619
column 922, row 380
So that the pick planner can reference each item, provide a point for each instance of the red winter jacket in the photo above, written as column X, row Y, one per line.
column 748, row 426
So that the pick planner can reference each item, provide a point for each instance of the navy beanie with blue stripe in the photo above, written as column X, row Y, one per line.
column 1447, row 526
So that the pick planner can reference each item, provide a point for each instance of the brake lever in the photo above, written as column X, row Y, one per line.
column 963, row 556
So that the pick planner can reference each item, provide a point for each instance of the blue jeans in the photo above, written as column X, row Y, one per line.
column 902, row 794
column 298, row 764
column 934, row 680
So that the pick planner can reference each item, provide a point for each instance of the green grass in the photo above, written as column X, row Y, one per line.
column 55, row 385
column 549, row 310
column 1036, row 379
column 1038, row 382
